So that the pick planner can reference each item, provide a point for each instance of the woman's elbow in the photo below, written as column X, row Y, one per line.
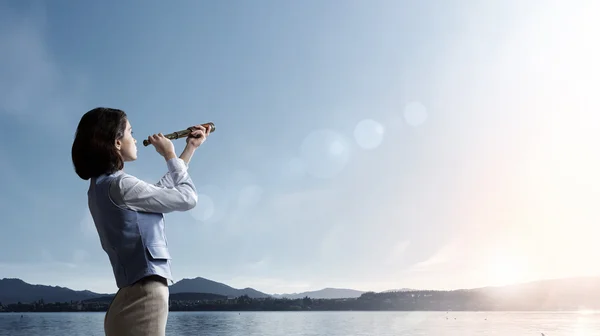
column 191, row 202
column 188, row 203
column 183, row 202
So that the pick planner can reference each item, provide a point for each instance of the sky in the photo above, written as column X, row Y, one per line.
column 367, row 145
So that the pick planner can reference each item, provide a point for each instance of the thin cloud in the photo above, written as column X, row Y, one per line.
column 397, row 252
column 445, row 254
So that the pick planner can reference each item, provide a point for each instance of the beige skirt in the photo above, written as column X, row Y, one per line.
column 139, row 309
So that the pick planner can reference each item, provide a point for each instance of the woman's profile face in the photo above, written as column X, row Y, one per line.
column 127, row 145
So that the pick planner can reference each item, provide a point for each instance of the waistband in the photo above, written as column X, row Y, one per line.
column 152, row 278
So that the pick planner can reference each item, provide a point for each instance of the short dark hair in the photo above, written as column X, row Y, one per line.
column 93, row 152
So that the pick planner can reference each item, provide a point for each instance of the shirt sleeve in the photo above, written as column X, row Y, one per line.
column 174, row 192
column 167, row 179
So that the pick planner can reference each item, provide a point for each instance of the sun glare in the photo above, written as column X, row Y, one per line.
column 504, row 269
column 587, row 312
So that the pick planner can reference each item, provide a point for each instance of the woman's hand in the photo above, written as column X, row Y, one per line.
column 198, row 136
column 163, row 145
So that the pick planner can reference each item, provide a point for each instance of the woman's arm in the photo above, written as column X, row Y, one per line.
column 135, row 194
column 186, row 156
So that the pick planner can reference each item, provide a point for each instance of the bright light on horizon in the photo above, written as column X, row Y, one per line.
column 505, row 269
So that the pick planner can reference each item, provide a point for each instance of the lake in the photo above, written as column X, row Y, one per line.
column 321, row 323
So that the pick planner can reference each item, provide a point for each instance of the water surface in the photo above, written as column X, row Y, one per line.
column 321, row 323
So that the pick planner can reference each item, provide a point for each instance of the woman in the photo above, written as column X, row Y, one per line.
column 128, row 214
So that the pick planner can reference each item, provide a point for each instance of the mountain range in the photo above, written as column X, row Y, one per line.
column 202, row 285
column 569, row 291
column 326, row 293
column 16, row 290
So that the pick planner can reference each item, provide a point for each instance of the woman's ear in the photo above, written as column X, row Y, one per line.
column 118, row 144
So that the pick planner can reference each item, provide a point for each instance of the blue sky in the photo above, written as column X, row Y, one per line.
column 372, row 145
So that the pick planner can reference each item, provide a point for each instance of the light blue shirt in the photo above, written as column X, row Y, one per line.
column 174, row 192
column 128, row 215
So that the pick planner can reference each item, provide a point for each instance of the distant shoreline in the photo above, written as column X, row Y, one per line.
column 570, row 295
column 326, row 311
column 391, row 302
